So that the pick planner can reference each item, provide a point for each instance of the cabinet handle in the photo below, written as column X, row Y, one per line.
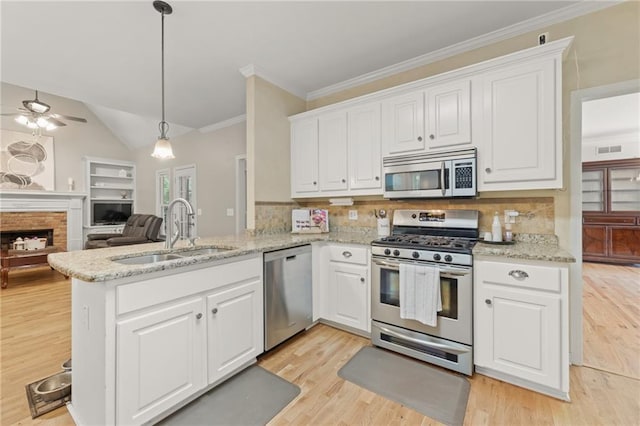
column 347, row 254
column 377, row 177
column 315, row 183
column 361, row 279
column 432, row 137
column 198, row 316
column 488, row 170
column 344, row 180
column 518, row 275
column 487, row 301
column 214, row 311
column 419, row 138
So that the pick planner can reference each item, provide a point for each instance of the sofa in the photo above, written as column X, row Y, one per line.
column 139, row 229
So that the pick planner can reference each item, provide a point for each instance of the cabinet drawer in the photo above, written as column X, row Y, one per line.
column 349, row 254
column 519, row 275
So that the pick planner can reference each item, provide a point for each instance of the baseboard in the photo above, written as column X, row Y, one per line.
column 523, row 383
column 343, row 327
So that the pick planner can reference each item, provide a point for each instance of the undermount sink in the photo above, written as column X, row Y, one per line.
column 148, row 258
column 201, row 251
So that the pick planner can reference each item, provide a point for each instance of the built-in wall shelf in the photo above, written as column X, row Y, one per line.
column 111, row 185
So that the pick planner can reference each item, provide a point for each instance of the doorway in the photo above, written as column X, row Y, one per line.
column 604, row 318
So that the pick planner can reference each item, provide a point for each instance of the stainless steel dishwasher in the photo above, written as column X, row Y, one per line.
column 287, row 294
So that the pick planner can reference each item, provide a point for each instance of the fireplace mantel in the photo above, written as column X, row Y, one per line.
column 29, row 201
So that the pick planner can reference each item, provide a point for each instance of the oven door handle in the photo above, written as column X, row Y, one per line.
column 439, row 346
column 444, row 270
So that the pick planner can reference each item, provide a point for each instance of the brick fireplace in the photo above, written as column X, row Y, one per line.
column 28, row 223
column 37, row 210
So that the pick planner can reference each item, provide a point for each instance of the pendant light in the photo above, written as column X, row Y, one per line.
column 162, row 149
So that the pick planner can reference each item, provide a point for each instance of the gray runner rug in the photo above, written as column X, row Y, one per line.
column 436, row 394
column 253, row 397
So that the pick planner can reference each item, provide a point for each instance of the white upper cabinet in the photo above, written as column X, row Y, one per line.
column 332, row 139
column 520, row 146
column 509, row 108
column 426, row 120
column 365, row 161
column 304, row 156
column 448, row 115
column 348, row 160
column 403, row 124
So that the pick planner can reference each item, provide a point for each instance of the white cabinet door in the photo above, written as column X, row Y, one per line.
column 449, row 114
column 519, row 334
column 160, row 360
column 235, row 334
column 521, row 324
column 521, row 145
column 365, row 160
column 304, row 156
column 348, row 295
column 403, row 124
column 332, row 139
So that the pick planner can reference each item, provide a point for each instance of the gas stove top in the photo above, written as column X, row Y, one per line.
column 443, row 236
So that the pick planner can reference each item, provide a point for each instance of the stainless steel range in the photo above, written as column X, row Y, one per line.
column 441, row 239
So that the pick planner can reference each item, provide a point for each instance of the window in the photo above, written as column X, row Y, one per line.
column 163, row 196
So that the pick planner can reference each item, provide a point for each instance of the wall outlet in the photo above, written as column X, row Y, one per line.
column 353, row 214
column 543, row 38
column 229, row 212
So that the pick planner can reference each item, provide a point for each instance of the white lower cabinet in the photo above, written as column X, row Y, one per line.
column 160, row 360
column 344, row 288
column 141, row 349
column 521, row 329
column 235, row 318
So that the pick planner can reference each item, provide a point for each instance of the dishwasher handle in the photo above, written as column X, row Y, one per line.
column 291, row 257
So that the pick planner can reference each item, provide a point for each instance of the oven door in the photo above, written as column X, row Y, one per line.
column 425, row 179
column 455, row 319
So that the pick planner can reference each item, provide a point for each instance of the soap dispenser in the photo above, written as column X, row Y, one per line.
column 496, row 228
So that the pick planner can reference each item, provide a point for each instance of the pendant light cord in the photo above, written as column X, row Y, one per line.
column 164, row 126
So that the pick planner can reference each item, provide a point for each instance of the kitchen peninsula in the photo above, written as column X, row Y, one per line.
column 155, row 329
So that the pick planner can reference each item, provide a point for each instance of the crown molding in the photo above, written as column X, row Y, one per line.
column 560, row 15
column 252, row 69
column 222, row 124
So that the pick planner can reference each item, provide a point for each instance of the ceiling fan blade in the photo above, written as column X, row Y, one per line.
column 11, row 113
column 55, row 121
column 70, row 117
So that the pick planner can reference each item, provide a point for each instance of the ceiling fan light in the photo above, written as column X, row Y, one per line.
column 42, row 122
column 162, row 150
column 32, row 124
column 22, row 120
column 50, row 127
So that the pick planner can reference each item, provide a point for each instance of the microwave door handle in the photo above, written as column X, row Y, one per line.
column 442, row 182
column 439, row 346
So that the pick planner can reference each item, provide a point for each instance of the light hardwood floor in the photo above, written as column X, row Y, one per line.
column 35, row 340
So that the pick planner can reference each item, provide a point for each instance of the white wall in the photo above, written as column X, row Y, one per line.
column 71, row 142
column 213, row 154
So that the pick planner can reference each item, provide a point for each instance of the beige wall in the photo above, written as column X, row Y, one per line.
column 606, row 49
column 213, row 154
column 71, row 142
column 268, row 143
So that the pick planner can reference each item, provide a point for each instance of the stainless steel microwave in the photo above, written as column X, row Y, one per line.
column 432, row 175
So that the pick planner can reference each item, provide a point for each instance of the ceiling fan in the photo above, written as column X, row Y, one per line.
column 35, row 115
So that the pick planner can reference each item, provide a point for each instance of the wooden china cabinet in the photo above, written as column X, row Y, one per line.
column 611, row 211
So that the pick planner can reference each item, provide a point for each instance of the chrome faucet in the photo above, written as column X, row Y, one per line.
column 171, row 237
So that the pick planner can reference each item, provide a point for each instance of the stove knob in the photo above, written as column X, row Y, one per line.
column 387, row 252
column 413, row 216
column 436, row 256
column 448, row 258
column 415, row 255
column 396, row 252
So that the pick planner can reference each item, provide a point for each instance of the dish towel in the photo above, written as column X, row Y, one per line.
column 420, row 293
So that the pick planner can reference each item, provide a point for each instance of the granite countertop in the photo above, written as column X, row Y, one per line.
column 527, row 247
column 97, row 265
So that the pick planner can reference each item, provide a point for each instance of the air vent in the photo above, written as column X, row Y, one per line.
column 608, row 149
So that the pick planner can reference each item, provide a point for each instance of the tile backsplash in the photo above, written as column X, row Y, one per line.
column 536, row 215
